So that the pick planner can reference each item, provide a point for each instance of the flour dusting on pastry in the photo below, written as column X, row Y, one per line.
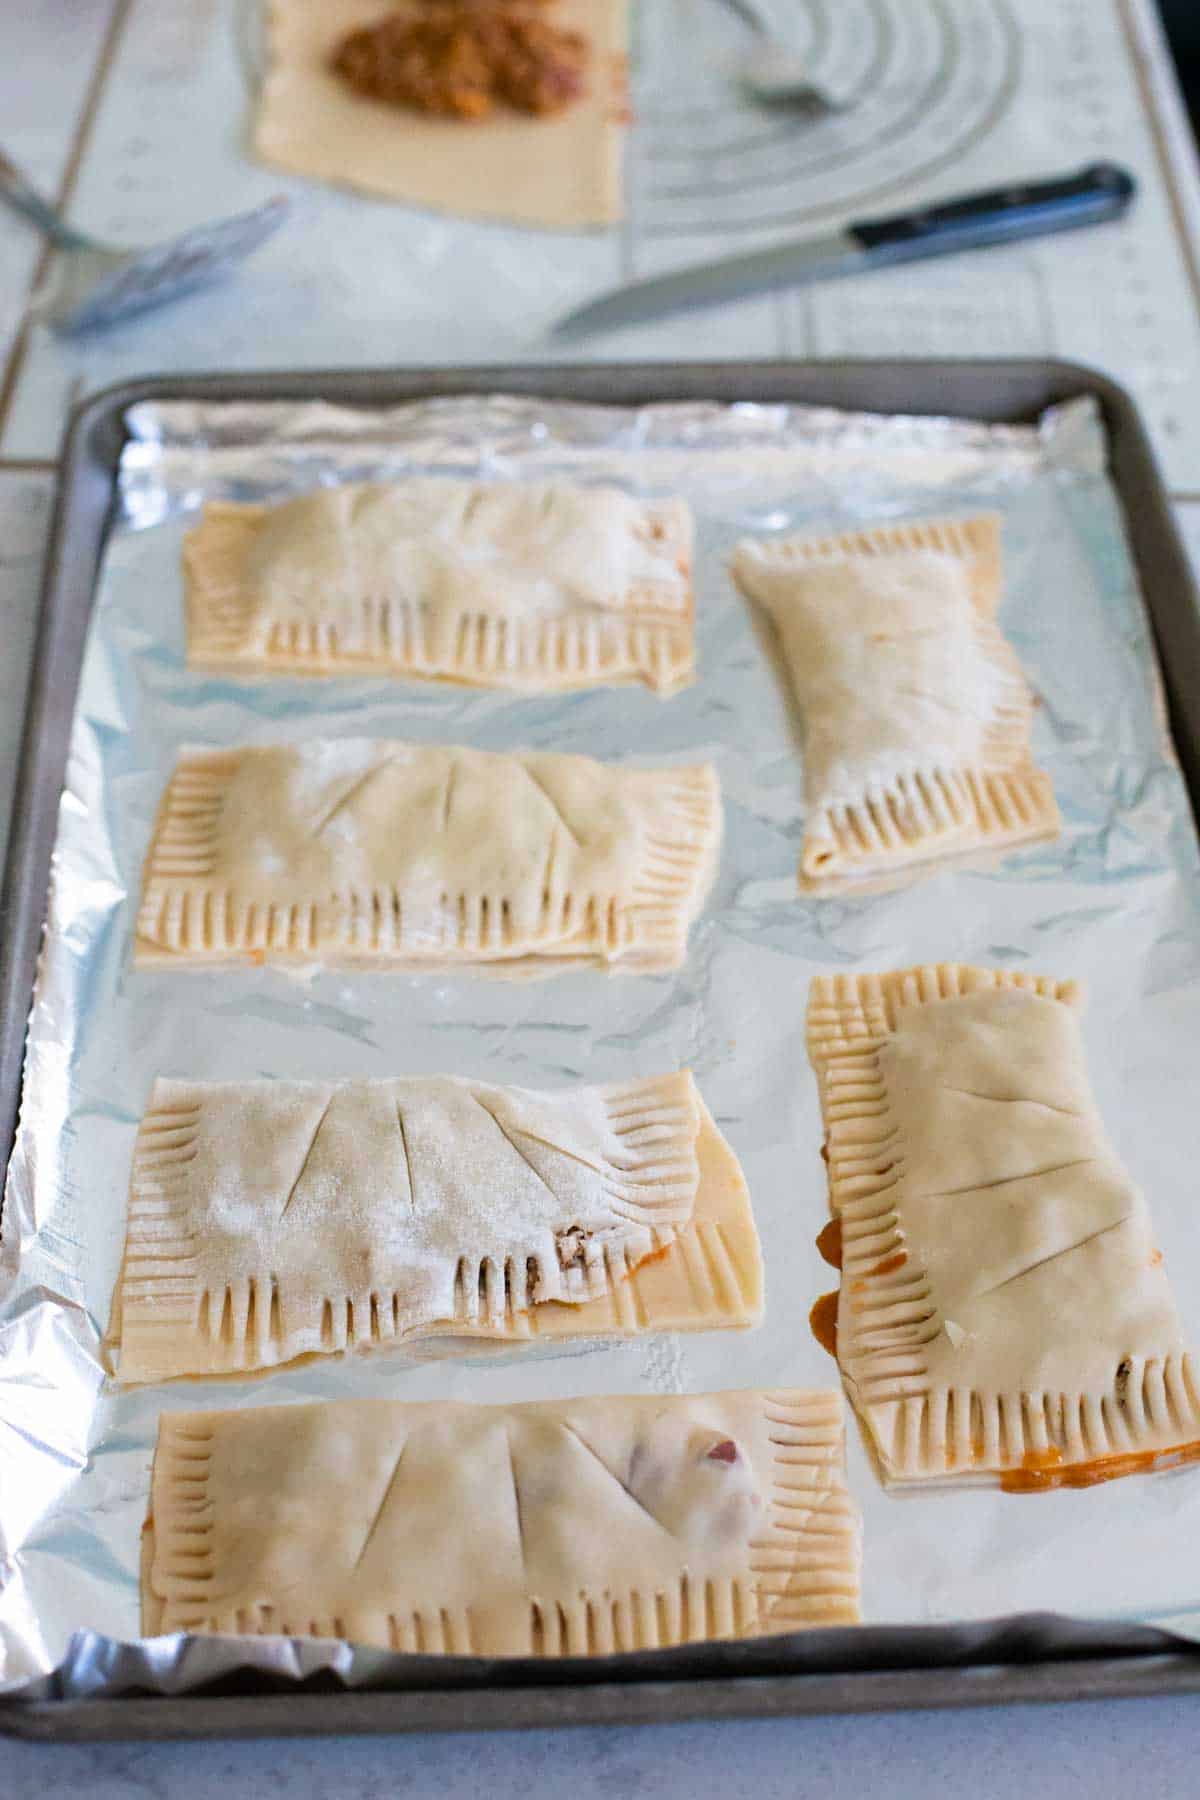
column 270, row 1220
column 544, row 586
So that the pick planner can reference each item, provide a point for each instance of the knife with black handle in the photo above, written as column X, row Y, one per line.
column 972, row 222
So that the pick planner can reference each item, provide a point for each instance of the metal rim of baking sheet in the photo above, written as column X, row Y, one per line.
column 1040, row 1657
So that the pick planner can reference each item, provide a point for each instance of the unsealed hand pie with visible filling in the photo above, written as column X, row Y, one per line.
column 543, row 586
column 564, row 1527
column 426, row 856
column 274, row 1219
column 1004, row 1314
column 560, row 171
column 916, row 714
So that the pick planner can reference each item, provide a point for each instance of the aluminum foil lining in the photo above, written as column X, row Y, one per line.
column 1114, row 902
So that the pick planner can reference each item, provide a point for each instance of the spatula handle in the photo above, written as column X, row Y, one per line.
column 19, row 191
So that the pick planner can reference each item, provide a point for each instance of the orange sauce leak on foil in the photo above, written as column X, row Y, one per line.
column 829, row 1243
column 1043, row 1470
column 822, row 1322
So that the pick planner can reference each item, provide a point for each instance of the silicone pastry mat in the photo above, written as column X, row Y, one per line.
column 1114, row 904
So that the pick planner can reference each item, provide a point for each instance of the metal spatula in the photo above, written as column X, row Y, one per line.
column 94, row 284
column 778, row 75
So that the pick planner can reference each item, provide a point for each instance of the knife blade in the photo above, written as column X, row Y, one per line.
column 1098, row 193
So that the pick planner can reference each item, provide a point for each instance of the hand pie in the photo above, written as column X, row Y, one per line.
column 557, row 1528
column 1004, row 1315
column 539, row 586
column 916, row 713
column 425, row 856
column 562, row 172
column 275, row 1219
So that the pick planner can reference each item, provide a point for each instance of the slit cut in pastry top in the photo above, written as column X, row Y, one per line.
column 426, row 855
column 566, row 1527
column 1004, row 1314
column 270, row 1220
column 916, row 714
column 544, row 585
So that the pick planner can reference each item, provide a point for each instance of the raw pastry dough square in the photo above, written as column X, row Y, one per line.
column 558, row 1528
column 916, row 713
column 535, row 585
column 426, row 856
column 270, row 1220
column 1004, row 1315
column 563, row 171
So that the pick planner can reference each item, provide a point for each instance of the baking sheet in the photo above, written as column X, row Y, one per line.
column 1113, row 902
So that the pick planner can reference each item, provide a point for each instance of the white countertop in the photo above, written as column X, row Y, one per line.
column 90, row 90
